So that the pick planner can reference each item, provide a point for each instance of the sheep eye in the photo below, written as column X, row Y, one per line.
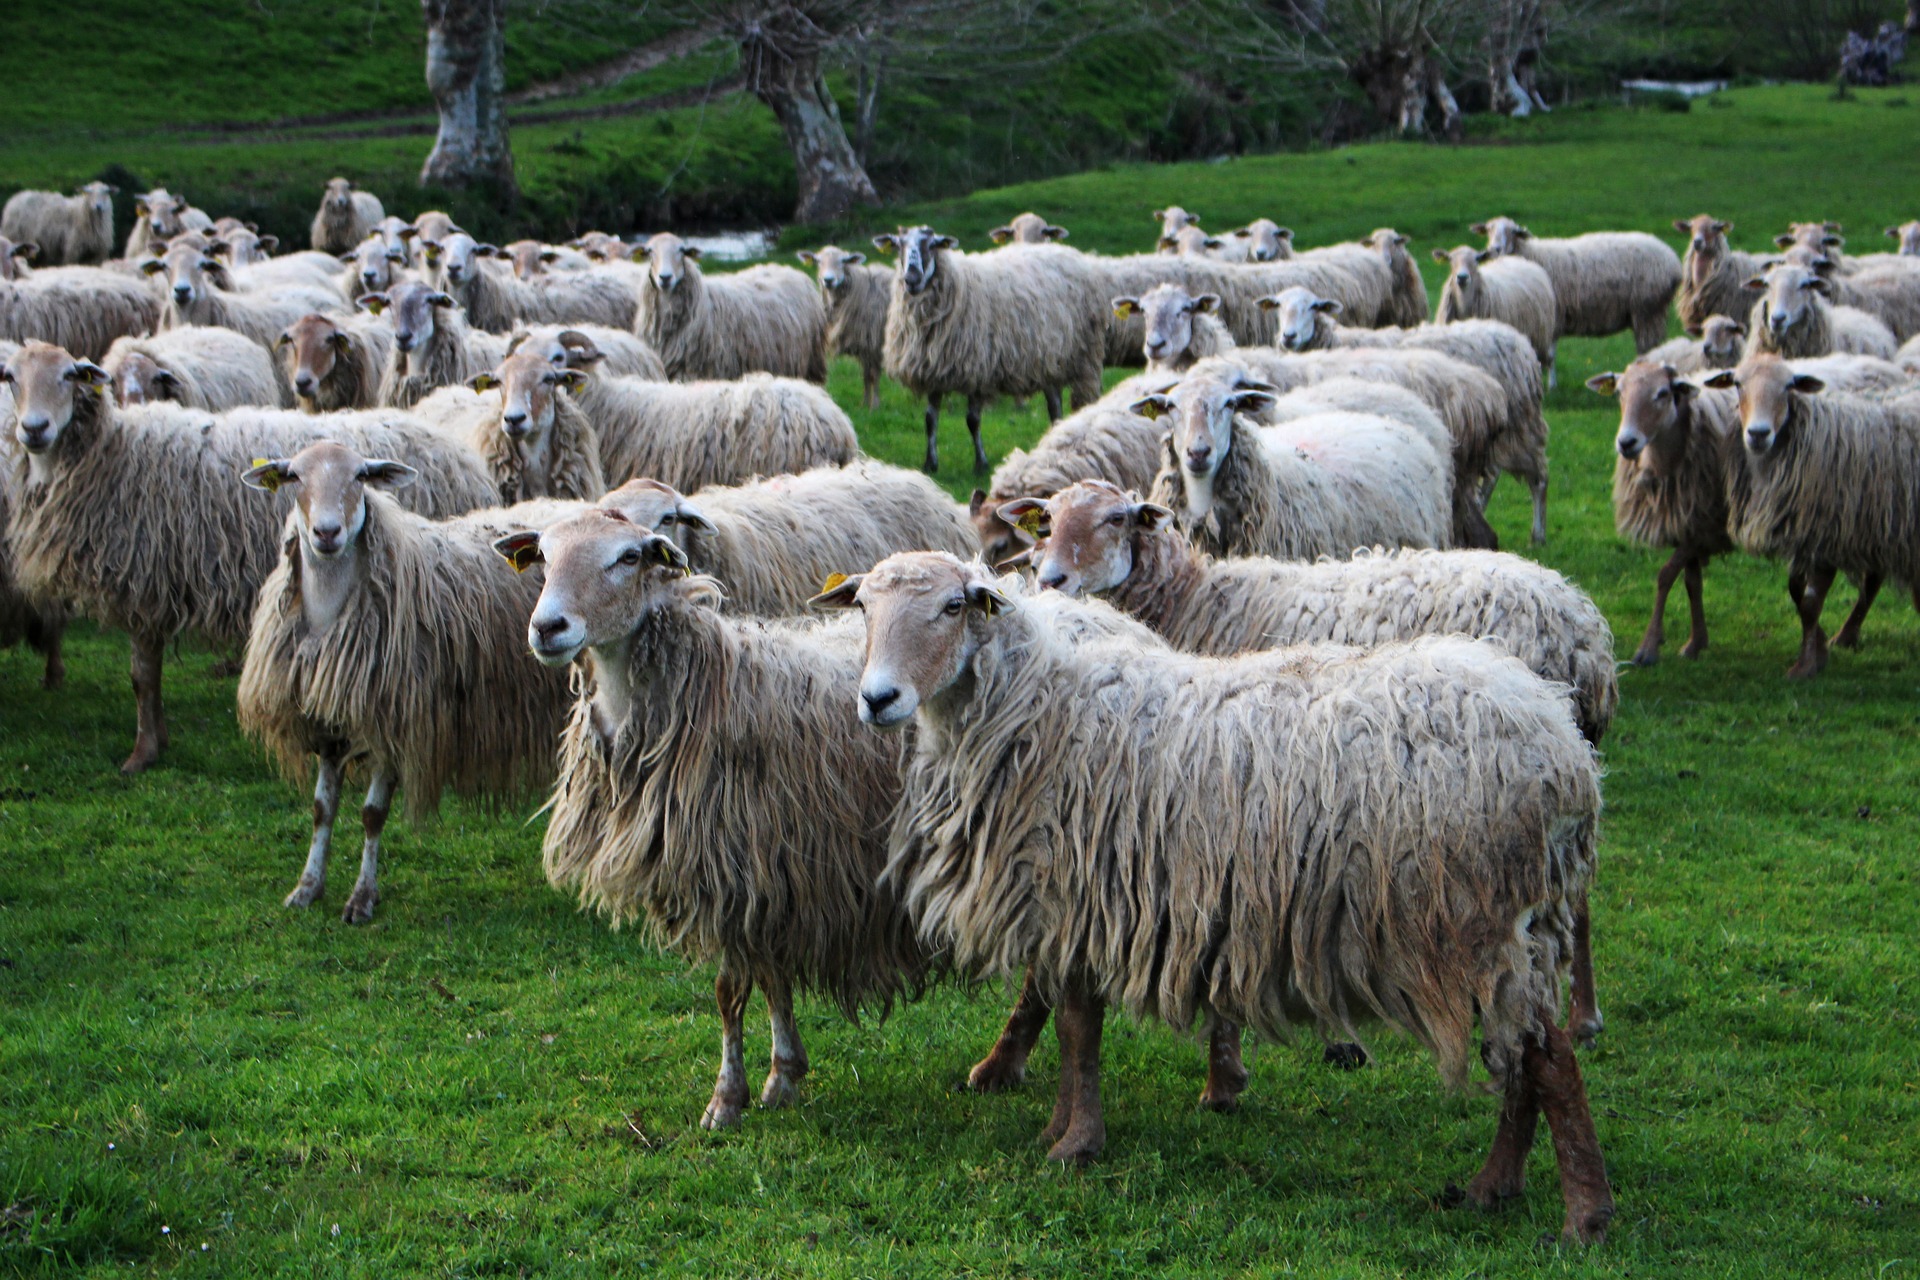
column 665, row 520
column 1661, row 394
column 630, row 556
column 955, row 605
column 1118, row 517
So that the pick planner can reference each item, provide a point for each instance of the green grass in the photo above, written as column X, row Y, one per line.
column 486, row 1082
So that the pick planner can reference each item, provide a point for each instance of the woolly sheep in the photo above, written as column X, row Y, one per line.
column 1713, row 275
column 40, row 625
column 83, row 309
column 1191, row 242
column 1409, row 289
column 1792, row 318
column 1178, row 329
column 496, row 300
column 1603, row 282
column 856, row 296
column 335, row 362
column 372, row 266
column 200, row 293
column 159, row 216
column 614, row 351
column 1173, row 218
column 530, row 449
column 433, row 346
column 1319, row 485
column 14, row 259
column 68, row 229
column 1262, row 240
column 133, row 517
column 1027, row 228
column 195, row 366
column 602, row 246
column 1026, row 320
column 392, row 641
column 531, row 258
column 1719, row 346
column 255, row 272
column 1168, row 897
column 1512, row 290
column 1831, row 485
column 1823, row 238
column 1908, row 236
column 345, row 218
column 766, row 319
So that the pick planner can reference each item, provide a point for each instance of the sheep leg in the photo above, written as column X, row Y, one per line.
column 1810, row 600
column 1697, row 639
column 45, row 637
column 1649, row 651
column 870, row 384
column 1849, row 636
column 1226, row 1073
column 932, row 464
column 730, row 992
column 326, row 806
column 1006, row 1066
column 1078, row 1021
column 1584, row 1022
column 373, row 820
column 973, row 429
column 1553, row 365
column 1504, row 1176
column 1537, row 486
column 150, row 735
column 1555, row 1077
column 1053, row 404
column 1649, row 330
column 789, row 1055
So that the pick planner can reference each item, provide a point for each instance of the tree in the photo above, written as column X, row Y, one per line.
column 782, row 48
column 466, row 73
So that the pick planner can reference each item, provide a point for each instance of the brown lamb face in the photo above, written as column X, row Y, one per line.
column 1653, row 417
column 1091, row 529
column 330, row 483
column 604, row 575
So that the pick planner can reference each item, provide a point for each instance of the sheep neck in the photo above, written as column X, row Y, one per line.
column 328, row 584
column 1166, row 569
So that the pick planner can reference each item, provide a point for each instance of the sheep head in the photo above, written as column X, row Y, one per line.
column 1790, row 295
column 830, row 263
column 1655, row 414
column 528, row 382
column 1768, row 387
column 1027, row 228
column 1202, row 410
column 308, row 351
column 48, row 384
column 605, row 575
column 1268, row 241
column 669, row 259
column 919, row 250
column 1090, row 531
column 1300, row 310
column 330, row 482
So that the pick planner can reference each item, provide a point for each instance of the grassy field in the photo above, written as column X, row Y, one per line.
column 486, row 1082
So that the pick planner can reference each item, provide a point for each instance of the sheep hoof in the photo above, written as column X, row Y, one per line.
column 1587, row 1030
column 721, row 1113
column 1492, row 1194
column 1848, row 638
column 996, row 1074
column 144, row 754
column 1648, row 655
column 1588, row 1227
column 1347, row 1057
column 360, row 904
column 779, row 1091
column 1079, row 1145
column 306, row 893
column 1693, row 648
column 1807, row 668
column 1222, row 1102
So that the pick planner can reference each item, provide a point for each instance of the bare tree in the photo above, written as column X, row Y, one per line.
column 1516, row 37
column 466, row 73
column 783, row 49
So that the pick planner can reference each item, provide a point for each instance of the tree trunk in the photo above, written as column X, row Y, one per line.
column 832, row 180
column 466, row 73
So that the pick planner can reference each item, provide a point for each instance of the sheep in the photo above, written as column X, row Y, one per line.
column 1262, row 240
column 15, row 259
column 335, row 362
column 1106, row 440
column 372, row 266
column 602, row 246
column 1178, row 329
column 159, row 216
column 766, row 319
column 532, row 450
column 1135, row 276
column 496, row 300
column 769, row 543
column 1191, row 242
column 1823, row 238
column 1318, row 485
column 713, row 787
column 433, row 346
column 1830, row 487
column 1284, row 895
column 200, row 293
column 131, row 514
column 1512, row 290
column 531, row 258
column 1603, row 282
column 856, row 297
column 253, row 270
column 1359, row 276
column 1719, row 346
column 1792, row 318
column 390, row 641
column 83, row 309
column 1172, row 219
column 68, row 229
column 396, row 234
column 615, row 351
column 1409, row 289
column 1027, row 228
column 195, row 366
column 1678, row 455
column 1023, row 321
column 345, row 218
column 1713, row 274
column 1908, row 236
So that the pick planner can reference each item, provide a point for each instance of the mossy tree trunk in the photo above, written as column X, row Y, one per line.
column 467, row 75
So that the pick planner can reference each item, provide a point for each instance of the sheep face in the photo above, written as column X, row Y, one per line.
column 47, row 382
column 434, row 226
column 1190, row 242
column 1268, row 241
column 244, row 245
column 308, row 352
column 528, row 257
column 1203, row 412
column 1706, row 243
column 1463, row 270
column 1300, row 311
column 413, row 306
column 527, row 381
column 1090, row 532
column 605, row 574
column 394, row 233
column 1168, row 311
column 1027, row 228
column 1767, row 386
column 920, row 249
column 376, row 267
column 99, row 198
column 162, row 211
column 1654, row 415
column 339, row 195
column 1721, row 341
column 330, row 483
column 139, row 379
column 1817, row 236
column 460, row 254
column 659, row 508
column 192, row 273
column 927, row 615
column 1908, row 234
column 1504, row 235
column 667, row 258
column 602, row 247
column 830, row 265
column 1789, row 296
column 1000, row 540
column 1173, row 218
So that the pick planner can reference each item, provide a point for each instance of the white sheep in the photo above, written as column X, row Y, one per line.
column 200, row 292
column 1409, row 289
column 1713, row 274
column 67, row 229
column 1172, row 219
column 345, row 218
column 159, row 216
column 433, row 345
column 1719, row 346
column 1026, row 320
column 1512, row 290
column 83, row 309
column 766, row 319
column 1027, row 228
column 1051, row 818
column 857, row 296
column 1793, row 318
column 372, row 266
column 495, row 299
column 195, row 366
column 1603, row 282
column 614, row 351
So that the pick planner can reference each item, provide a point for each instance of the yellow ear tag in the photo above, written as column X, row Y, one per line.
column 269, row 480
column 1152, row 412
column 833, row 580
column 524, row 556
column 1030, row 522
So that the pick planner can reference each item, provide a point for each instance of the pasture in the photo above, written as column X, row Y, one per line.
column 486, row 1081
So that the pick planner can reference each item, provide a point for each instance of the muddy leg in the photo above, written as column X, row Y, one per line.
column 1649, row 651
column 1584, row 1022
column 1226, row 1073
column 1006, row 1066
column 730, row 1089
column 326, row 806
column 1053, row 404
column 932, row 464
column 1555, row 1077
column 973, row 429
column 373, row 819
column 150, row 717
column 1697, row 610
column 1504, row 1176
column 1079, row 1019
column 789, row 1055
column 45, row 637
column 1849, row 637
column 1811, row 599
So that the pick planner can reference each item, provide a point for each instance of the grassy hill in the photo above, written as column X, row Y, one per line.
column 487, row 1082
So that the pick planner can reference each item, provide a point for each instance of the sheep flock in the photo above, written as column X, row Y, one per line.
column 575, row 522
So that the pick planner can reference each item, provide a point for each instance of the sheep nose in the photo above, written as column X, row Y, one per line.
column 326, row 537
column 879, row 700
column 515, row 423
column 1198, row 456
column 1757, row 435
column 404, row 341
column 1156, row 343
column 1053, row 579
column 371, row 279
column 1461, row 278
column 545, row 629
column 304, row 384
column 1630, row 448
column 33, row 434
column 183, row 292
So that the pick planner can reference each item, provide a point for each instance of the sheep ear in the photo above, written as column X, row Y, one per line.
column 694, row 518
column 1327, row 305
column 442, row 300
column 1725, row 380
column 690, row 251
column 350, row 256
column 375, row 302
column 1684, row 390
column 1243, row 234
column 1737, row 329
column 987, row 598
column 1481, row 255
column 1756, row 283
column 1000, row 235
column 267, row 475
column 284, row 341
column 165, row 378
column 855, row 259
column 1783, row 240
column 1723, row 227
column 26, row 249
column 90, row 373
column 1126, row 307
column 1055, row 233
column 1168, row 242
column 1027, row 515
column 270, row 243
column 1821, row 285
column 1478, row 228
column 1151, row 515
column 663, row 552
column 483, row 382
column 408, row 232
column 887, row 244
column 806, row 257
column 1152, row 407
column 549, row 255
column 1806, row 384
column 838, row 591
column 384, row 473
column 396, row 255
column 1605, row 384
column 1213, row 242
column 152, row 267
column 975, row 501
column 1831, row 242
column 1439, row 255
column 1247, row 400
column 1892, row 233
column 1207, row 303
column 1269, row 303
column 341, row 342
column 521, row 550
column 572, row 380
column 1018, row 560
column 1681, row 224
column 946, row 242
column 488, row 251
